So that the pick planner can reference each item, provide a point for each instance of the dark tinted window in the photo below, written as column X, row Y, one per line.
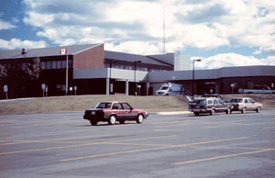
column 236, row 100
column 103, row 105
column 210, row 102
column 126, row 106
column 117, row 106
column 49, row 64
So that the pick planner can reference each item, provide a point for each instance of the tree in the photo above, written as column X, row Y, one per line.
column 3, row 71
column 34, row 69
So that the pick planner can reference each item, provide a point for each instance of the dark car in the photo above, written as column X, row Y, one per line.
column 209, row 105
column 113, row 111
column 215, row 96
column 245, row 104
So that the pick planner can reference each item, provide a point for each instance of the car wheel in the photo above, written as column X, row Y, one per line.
column 94, row 122
column 140, row 118
column 212, row 112
column 112, row 120
column 228, row 111
column 196, row 113
column 244, row 110
column 258, row 109
column 122, row 122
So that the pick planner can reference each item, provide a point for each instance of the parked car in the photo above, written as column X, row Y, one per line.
column 170, row 89
column 260, row 89
column 215, row 96
column 113, row 111
column 245, row 104
column 209, row 105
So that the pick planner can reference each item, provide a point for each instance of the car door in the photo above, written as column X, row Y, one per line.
column 222, row 105
column 247, row 104
column 217, row 105
column 128, row 112
column 118, row 110
column 252, row 105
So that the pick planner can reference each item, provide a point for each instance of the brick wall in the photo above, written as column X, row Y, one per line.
column 89, row 59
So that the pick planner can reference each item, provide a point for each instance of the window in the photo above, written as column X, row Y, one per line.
column 220, row 102
column 70, row 63
column 246, row 101
column 251, row 101
column 53, row 64
column 126, row 106
column 43, row 65
column 49, row 64
column 24, row 66
column 58, row 65
column 215, row 102
column 107, row 65
column 210, row 102
column 61, row 87
column 64, row 64
column 117, row 106
column 103, row 105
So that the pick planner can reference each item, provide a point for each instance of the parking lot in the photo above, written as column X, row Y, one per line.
column 182, row 145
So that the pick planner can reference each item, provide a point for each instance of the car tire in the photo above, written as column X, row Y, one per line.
column 94, row 122
column 258, row 109
column 196, row 113
column 139, row 118
column 112, row 120
column 243, row 110
column 228, row 111
column 122, row 122
column 212, row 112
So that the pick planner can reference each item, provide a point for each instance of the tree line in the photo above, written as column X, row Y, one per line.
column 21, row 83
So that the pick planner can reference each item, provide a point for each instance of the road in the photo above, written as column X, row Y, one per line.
column 65, row 145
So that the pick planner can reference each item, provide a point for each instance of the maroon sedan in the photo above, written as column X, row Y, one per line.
column 113, row 111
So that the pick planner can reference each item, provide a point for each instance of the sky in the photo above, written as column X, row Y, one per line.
column 221, row 33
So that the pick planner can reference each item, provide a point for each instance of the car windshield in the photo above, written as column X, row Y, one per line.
column 198, row 101
column 103, row 106
column 236, row 100
column 164, row 88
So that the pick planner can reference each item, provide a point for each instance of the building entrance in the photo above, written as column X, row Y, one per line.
column 206, row 87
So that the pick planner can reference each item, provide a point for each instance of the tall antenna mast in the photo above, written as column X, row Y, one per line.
column 163, row 29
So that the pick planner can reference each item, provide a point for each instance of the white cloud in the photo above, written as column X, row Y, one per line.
column 135, row 47
column 17, row 43
column 137, row 26
column 231, row 59
column 6, row 25
column 38, row 20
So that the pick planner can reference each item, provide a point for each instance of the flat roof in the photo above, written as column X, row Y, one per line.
column 43, row 52
column 132, row 58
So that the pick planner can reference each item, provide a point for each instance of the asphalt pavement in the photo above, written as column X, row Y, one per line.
column 174, row 144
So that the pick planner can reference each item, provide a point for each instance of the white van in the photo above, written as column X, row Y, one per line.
column 169, row 89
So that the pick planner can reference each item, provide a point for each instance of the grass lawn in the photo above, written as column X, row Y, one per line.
column 83, row 102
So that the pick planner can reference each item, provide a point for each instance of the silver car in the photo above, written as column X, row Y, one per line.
column 245, row 104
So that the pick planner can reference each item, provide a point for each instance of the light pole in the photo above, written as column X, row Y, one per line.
column 193, row 91
column 135, row 63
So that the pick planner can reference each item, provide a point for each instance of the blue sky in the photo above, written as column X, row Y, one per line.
column 220, row 32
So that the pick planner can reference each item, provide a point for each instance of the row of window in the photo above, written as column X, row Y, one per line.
column 45, row 65
column 56, row 64
column 119, row 66
column 61, row 64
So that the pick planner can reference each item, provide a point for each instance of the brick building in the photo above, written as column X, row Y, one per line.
column 93, row 70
